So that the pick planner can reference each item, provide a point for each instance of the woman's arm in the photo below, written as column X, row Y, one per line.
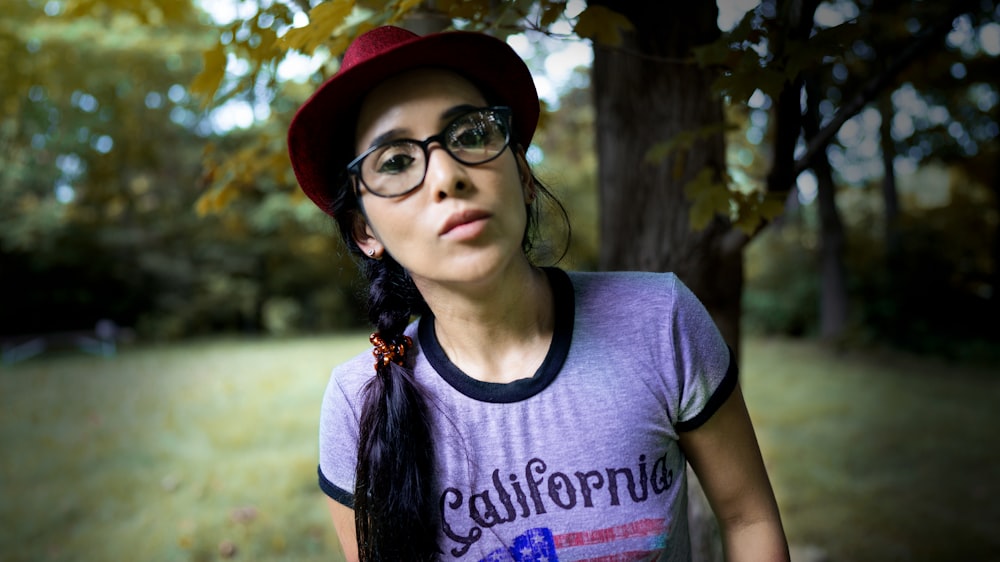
column 343, row 522
column 724, row 454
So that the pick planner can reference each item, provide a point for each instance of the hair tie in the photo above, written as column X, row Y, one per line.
column 385, row 353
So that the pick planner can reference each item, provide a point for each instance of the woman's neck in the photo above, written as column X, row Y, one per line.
column 498, row 331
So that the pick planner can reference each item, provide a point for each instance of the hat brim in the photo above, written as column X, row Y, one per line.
column 321, row 135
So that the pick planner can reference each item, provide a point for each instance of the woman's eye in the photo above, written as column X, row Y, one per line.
column 394, row 163
column 472, row 137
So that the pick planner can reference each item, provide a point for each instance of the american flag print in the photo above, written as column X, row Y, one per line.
column 638, row 541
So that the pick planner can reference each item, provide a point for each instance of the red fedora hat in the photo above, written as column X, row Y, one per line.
column 321, row 135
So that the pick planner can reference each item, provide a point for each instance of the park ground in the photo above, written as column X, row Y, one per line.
column 206, row 451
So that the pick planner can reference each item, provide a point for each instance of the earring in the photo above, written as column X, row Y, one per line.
column 371, row 253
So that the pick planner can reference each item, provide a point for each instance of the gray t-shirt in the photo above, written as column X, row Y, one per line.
column 579, row 462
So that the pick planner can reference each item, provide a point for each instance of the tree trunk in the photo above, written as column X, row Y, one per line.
column 645, row 92
column 890, row 195
column 994, row 301
column 833, row 272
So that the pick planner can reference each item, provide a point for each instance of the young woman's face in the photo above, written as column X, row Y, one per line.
column 463, row 223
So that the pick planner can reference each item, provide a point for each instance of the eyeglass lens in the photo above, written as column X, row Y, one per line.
column 397, row 167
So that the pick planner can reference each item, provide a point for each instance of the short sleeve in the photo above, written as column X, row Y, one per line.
column 338, row 429
column 706, row 365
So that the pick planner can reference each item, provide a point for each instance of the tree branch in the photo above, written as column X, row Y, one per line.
column 869, row 92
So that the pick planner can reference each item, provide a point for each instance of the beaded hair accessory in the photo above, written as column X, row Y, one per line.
column 385, row 353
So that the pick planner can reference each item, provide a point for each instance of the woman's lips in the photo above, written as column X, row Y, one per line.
column 464, row 223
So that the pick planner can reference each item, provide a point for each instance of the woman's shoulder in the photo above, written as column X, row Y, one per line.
column 641, row 295
column 351, row 375
column 622, row 281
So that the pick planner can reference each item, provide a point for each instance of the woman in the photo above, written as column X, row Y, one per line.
column 528, row 414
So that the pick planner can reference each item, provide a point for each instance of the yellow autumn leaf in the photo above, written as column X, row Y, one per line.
column 323, row 20
column 680, row 165
column 772, row 207
column 683, row 140
column 701, row 214
column 225, row 195
column 708, row 197
column 340, row 44
column 602, row 25
column 747, row 223
column 265, row 49
column 661, row 150
column 204, row 204
column 403, row 6
column 207, row 82
column 78, row 8
column 459, row 8
column 172, row 10
column 331, row 13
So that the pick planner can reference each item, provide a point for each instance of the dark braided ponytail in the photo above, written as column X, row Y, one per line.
column 393, row 484
column 393, row 489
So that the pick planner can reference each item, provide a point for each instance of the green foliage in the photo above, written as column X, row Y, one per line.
column 106, row 116
column 101, row 170
column 935, row 296
column 569, row 168
column 781, row 290
column 603, row 25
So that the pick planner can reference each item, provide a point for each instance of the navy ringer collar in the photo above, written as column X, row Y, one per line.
column 521, row 389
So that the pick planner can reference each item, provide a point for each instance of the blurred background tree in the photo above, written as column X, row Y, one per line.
column 139, row 185
column 102, row 168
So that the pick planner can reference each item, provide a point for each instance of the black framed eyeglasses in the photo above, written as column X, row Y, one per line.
column 397, row 167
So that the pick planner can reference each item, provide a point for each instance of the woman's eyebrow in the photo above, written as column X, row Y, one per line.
column 454, row 112
column 446, row 115
column 387, row 136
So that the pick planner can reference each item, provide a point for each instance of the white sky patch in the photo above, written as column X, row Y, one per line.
column 962, row 36
column 521, row 45
column 103, row 144
column 64, row 192
column 559, row 66
column 298, row 67
column 989, row 39
column 563, row 57
column 759, row 100
column 732, row 11
column 236, row 66
column 232, row 115
column 808, row 187
column 575, row 7
column 225, row 12
column 832, row 14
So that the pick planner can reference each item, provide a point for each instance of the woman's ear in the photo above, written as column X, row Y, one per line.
column 365, row 238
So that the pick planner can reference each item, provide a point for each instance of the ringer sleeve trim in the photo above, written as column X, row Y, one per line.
column 718, row 398
column 335, row 492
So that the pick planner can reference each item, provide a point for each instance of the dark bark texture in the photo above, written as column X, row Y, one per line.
column 646, row 91
column 833, row 271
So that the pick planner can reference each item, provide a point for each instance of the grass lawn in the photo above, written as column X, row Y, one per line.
column 879, row 456
column 178, row 452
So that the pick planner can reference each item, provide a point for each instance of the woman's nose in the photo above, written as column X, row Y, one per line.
column 445, row 177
